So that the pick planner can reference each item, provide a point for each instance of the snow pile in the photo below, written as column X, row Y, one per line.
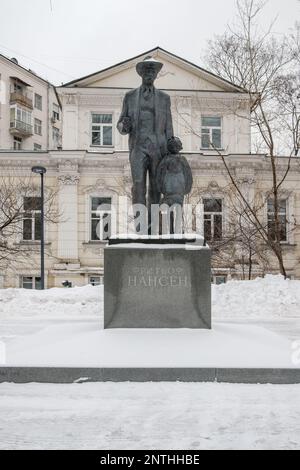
column 262, row 298
column 270, row 297
column 81, row 302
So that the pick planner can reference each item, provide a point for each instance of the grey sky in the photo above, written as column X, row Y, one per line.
column 77, row 37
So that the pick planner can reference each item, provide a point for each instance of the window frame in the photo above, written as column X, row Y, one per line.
column 55, row 112
column 101, row 280
column 21, row 115
column 212, row 215
column 36, row 98
column 33, row 283
column 33, row 213
column 101, row 214
column 211, row 129
column 101, row 126
column 281, row 214
column 215, row 278
column 38, row 126
column 17, row 143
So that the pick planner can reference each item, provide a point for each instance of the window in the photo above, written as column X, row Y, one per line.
column 18, row 87
column 96, row 280
column 213, row 219
column 56, row 136
column 38, row 126
column 211, row 132
column 21, row 119
column 37, row 147
column 100, row 218
column 32, row 219
column 31, row 282
column 38, row 101
column 55, row 112
column 282, row 219
column 219, row 279
column 101, row 129
column 18, row 143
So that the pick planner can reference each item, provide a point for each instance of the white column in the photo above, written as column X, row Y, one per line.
column 68, row 211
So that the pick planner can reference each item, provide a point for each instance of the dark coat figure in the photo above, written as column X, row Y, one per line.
column 174, row 176
column 146, row 117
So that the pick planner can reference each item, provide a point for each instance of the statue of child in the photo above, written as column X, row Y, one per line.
column 174, row 176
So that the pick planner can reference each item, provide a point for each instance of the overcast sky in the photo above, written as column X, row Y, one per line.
column 66, row 39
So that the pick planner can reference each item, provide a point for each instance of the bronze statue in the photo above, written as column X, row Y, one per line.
column 174, row 180
column 146, row 117
column 174, row 177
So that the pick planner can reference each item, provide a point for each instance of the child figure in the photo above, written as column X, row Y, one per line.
column 174, row 176
column 174, row 180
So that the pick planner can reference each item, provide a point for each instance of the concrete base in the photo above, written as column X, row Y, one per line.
column 157, row 286
column 67, row 375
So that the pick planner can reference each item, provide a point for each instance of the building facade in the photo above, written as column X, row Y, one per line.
column 92, row 168
column 30, row 113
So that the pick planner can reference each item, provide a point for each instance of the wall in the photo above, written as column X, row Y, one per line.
column 37, row 85
column 75, row 176
column 187, row 109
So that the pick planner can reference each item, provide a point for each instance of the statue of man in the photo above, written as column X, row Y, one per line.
column 146, row 117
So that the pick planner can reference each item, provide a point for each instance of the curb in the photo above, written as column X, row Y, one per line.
column 68, row 375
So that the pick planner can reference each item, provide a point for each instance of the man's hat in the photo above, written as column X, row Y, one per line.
column 148, row 60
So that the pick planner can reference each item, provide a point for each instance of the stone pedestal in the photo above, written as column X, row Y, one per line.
column 157, row 286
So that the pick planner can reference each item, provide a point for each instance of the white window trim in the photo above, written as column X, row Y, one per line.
column 88, row 206
column 18, row 141
column 215, row 276
column 34, row 274
column 38, row 128
column 28, row 114
column 211, row 128
column 101, row 220
column 33, row 213
column 19, row 238
column 224, row 212
column 36, row 107
column 100, row 276
column 290, row 233
column 56, row 111
column 97, row 111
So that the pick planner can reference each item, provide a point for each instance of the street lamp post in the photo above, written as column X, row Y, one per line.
column 40, row 170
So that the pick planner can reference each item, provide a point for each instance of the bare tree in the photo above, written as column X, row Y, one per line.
column 249, row 248
column 239, row 246
column 13, row 190
column 264, row 65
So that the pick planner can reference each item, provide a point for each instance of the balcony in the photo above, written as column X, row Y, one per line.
column 20, row 128
column 21, row 98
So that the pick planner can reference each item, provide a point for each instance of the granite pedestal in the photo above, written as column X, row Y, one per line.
column 157, row 286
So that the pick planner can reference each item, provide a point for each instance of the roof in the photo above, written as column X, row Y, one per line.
column 13, row 62
column 25, row 69
column 236, row 88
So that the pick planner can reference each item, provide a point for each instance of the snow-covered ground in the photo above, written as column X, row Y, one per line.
column 254, row 324
column 149, row 416
column 85, row 345
column 268, row 298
